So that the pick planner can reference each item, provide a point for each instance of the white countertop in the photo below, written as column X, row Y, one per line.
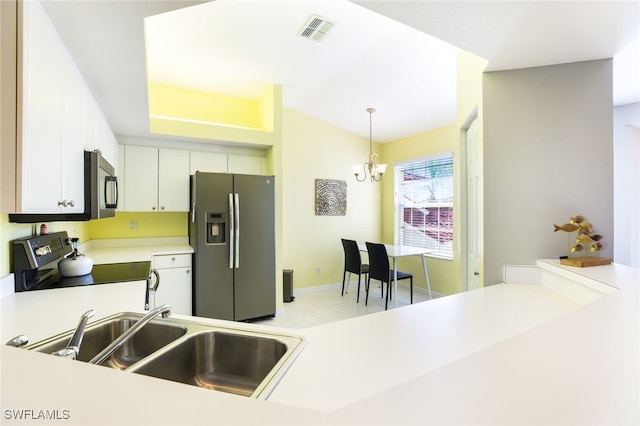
column 505, row 354
column 134, row 249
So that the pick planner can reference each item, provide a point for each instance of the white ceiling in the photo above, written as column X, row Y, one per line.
column 378, row 53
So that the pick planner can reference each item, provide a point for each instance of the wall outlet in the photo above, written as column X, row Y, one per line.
column 133, row 225
column 318, row 270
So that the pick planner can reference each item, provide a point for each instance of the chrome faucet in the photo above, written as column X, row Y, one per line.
column 18, row 341
column 73, row 347
column 164, row 310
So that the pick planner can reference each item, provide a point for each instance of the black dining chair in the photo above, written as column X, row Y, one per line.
column 379, row 270
column 353, row 264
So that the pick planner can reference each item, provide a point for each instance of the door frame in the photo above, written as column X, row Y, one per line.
column 464, row 208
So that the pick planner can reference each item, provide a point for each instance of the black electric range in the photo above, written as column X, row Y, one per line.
column 100, row 274
column 35, row 261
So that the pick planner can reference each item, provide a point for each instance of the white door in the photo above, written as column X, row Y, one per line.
column 473, row 181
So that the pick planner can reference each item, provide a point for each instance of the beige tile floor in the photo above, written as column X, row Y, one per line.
column 313, row 307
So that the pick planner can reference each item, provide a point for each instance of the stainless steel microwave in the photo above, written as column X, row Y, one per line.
column 100, row 194
column 104, row 184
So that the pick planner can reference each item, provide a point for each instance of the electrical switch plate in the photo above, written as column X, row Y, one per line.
column 133, row 225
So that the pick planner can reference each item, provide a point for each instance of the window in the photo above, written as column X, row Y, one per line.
column 423, row 204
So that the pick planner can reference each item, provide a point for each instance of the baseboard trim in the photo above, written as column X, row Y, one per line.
column 354, row 284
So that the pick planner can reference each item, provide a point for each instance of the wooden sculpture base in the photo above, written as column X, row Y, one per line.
column 589, row 261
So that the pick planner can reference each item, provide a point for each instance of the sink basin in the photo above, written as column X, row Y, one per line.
column 232, row 358
column 234, row 363
column 99, row 335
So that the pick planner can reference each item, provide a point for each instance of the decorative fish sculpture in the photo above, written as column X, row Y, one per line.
column 596, row 237
column 585, row 239
column 577, row 248
column 567, row 227
column 597, row 246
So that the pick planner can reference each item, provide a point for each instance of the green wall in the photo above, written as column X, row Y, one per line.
column 444, row 275
column 148, row 225
column 313, row 149
column 11, row 231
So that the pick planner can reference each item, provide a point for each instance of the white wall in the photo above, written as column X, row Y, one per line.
column 548, row 155
column 626, row 176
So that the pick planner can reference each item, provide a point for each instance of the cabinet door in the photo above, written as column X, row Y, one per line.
column 41, row 114
column 175, row 290
column 141, row 178
column 173, row 180
column 245, row 164
column 111, row 148
column 74, row 115
column 209, row 162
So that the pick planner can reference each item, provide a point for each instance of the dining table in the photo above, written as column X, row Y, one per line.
column 397, row 251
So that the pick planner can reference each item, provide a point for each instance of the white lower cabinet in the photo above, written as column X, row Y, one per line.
column 175, row 282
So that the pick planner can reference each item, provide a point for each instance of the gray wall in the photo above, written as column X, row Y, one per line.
column 548, row 155
column 626, row 148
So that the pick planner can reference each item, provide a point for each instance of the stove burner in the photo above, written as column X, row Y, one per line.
column 101, row 274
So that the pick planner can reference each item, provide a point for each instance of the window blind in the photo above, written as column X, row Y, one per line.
column 423, row 204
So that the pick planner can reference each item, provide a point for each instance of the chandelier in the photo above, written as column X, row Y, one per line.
column 371, row 169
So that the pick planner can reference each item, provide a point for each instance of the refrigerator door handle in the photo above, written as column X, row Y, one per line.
column 193, row 213
column 237, row 230
column 232, row 231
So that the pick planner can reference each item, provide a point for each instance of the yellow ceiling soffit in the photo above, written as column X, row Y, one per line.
column 191, row 113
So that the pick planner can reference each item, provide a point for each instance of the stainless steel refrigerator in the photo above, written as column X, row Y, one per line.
column 232, row 232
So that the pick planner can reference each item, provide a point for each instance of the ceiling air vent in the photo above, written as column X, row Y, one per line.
column 315, row 28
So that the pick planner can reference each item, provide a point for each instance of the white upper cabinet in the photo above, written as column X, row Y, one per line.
column 156, row 179
column 140, row 178
column 45, row 164
column 173, row 180
column 215, row 162
column 73, row 144
column 210, row 162
column 245, row 164
column 58, row 121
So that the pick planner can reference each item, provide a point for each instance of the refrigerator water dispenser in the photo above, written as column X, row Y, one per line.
column 216, row 227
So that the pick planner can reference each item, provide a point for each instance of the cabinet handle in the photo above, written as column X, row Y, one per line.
column 72, row 203
column 188, row 270
column 65, row 203
column 153, row 208
column 162, row 208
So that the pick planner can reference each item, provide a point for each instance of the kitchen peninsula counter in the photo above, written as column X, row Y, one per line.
column 505, row 354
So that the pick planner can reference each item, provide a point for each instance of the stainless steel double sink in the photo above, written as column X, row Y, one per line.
column 228, row 359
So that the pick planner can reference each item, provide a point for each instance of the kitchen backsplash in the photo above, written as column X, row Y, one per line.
column 147, row 225
column 140, row 225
